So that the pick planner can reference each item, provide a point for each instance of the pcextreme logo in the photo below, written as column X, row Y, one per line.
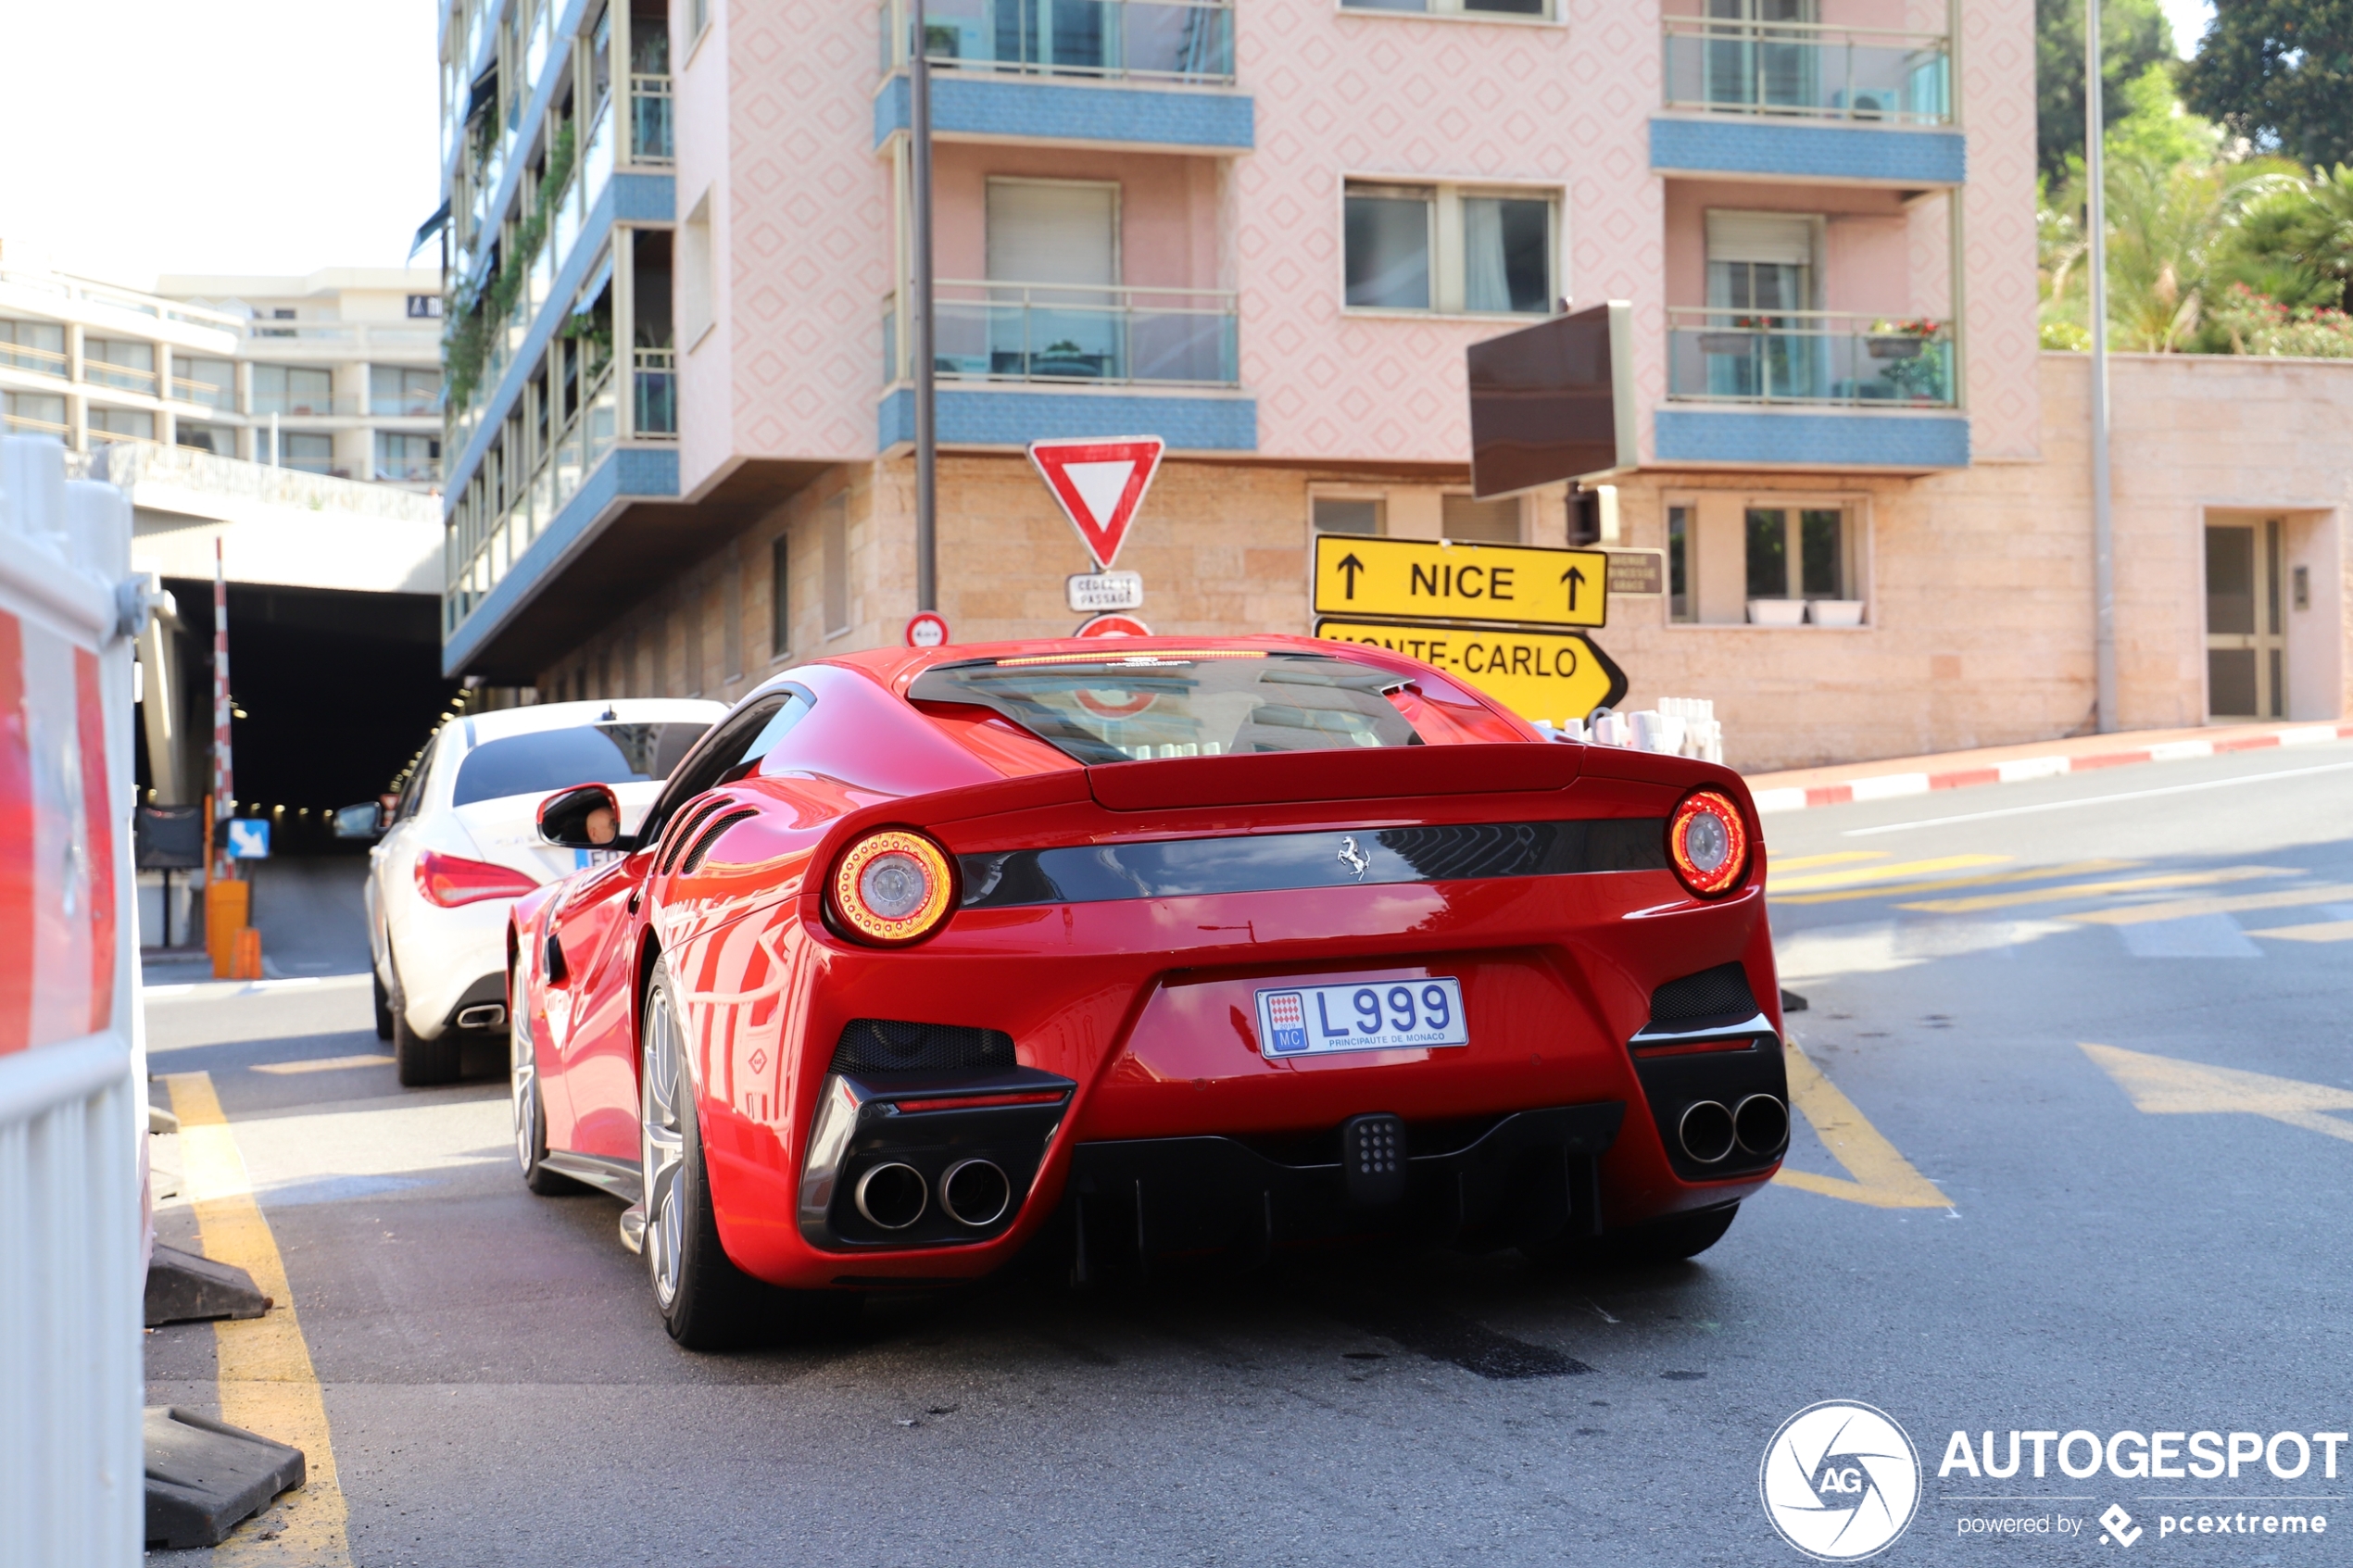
column 1840, row 1481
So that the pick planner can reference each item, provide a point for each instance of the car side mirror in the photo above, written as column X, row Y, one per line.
column 583, row 817
column 363, row 820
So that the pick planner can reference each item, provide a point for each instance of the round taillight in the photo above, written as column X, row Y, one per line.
column 893, row 887
column 1708, row 843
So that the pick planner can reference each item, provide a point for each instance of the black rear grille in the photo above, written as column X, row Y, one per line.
column 889, row 1045
column 1711, row 998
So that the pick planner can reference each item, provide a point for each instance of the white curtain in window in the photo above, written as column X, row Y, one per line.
column 1486, row 285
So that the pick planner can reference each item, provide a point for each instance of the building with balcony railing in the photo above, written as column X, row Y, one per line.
column 681, row 408
column 336, row 373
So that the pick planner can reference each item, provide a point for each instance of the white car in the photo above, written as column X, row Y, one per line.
column 464, row 843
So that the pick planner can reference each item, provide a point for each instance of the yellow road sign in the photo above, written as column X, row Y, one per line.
column 1552, row 675
column 1435, row 580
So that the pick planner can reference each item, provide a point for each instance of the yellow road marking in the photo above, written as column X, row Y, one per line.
column 2163, row 1085
column 2327, row 930
column 1799, row 862
column 323, row 1064
column 2183, row 908
column 2100, row 889
column 1878, row 873
column 1884, row 1178
column 266, row 1382
column 1942, row 884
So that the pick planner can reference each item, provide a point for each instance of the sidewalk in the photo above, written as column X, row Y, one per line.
column 1798, row 788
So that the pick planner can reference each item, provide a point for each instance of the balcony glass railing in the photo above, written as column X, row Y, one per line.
column 32, row 356
column 482, row 541
column 654, row 411
column 1067, row 332
column 650, row 132
column 1808, row 71
column 123, row 378
column 1164, row 40
column 1808, row 356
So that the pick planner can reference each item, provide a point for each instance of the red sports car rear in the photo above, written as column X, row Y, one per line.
column 1145, row 949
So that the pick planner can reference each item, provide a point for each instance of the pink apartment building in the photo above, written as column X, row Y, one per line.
column 679, row 444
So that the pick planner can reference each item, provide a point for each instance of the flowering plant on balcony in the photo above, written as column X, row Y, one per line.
column 1920, row 328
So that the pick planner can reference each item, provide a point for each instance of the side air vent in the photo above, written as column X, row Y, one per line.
column 1712, row 999
column 711, row 835
column 685, row 829
column 887, row 1044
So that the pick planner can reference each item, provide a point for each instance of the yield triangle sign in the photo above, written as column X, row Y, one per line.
column 1099, row 483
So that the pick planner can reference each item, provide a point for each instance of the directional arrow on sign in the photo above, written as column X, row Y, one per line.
column 1100, row 484
column 1575, row 578
column 1351, row 566
column 2164, row 1086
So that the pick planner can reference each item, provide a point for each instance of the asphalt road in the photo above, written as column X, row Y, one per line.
column 2022, row 994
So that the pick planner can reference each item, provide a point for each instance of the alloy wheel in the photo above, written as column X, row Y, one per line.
column 523, row 1082
column 662, row 1145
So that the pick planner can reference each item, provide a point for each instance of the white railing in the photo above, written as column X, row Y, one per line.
column 1081, row 333
column 72, row 1068
column 1182, row 41
column 1738, row 354
column 32, row 356
column 348, row 339
column 66, row 287
column 483, row 542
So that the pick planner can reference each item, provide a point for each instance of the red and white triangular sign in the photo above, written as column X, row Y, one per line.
column 1100, row 484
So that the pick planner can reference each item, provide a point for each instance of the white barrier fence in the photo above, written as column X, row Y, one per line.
column 72, row 1065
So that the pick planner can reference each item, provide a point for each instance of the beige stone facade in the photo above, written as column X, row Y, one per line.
column 1977, row 585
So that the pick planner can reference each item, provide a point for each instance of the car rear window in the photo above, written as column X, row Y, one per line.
column 1114, row 708
column 551, row 760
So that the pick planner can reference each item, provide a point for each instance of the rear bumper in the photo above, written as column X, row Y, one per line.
column 1531, row 1177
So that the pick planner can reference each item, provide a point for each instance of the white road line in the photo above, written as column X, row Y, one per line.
column 2096, row 799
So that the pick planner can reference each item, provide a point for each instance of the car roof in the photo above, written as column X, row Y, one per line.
column 498, row 724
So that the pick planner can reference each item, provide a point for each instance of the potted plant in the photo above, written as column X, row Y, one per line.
column 1899, row 340
column 1777, row 612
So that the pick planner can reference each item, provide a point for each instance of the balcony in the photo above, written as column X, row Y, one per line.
column 32, row 356
column 655, row 411
column 1063, row 334
column 1189, row 42
column 1810, row 71
column 1823, row 357
column 1136, row 73
column 650, row 135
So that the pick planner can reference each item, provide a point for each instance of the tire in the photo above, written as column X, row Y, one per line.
column 384, row 1008
column 706, row 1302
column 530, row 1114
column 420, row 1063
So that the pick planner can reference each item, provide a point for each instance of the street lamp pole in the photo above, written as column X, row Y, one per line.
column 926, row 432
column 2103, row 521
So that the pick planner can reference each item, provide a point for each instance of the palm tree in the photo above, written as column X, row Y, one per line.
column 2298, row 246
column 2172, row 232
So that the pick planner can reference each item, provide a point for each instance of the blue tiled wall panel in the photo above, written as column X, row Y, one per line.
column 1840, row 440
column 1016, row 418
column 1742, row 145
column 628, row 198
column 627, row 471
column 1088, row 112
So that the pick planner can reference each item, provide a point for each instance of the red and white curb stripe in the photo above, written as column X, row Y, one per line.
column 1888, row 786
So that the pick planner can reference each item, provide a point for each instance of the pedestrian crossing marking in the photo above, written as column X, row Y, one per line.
column 2164, row 1086
column 1875, row 873
column 1800, row 863
column 2327, row 930
column 2182, row 908
column 323, row 1064
column 2101, row 889
column 1940, row 884
column 1881, row 1176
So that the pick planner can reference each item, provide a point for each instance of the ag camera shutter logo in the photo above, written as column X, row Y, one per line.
column 1840, row 1481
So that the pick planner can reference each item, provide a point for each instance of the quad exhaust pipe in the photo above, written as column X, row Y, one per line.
column 1709, row 1131
column 974, row 1193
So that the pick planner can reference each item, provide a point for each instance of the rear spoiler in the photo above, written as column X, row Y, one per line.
column 1286, row 777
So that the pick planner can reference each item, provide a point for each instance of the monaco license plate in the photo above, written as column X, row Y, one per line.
column 1323, row 1019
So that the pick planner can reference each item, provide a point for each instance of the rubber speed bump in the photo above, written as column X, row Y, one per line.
column 205, row 1477
column 183, row 1288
